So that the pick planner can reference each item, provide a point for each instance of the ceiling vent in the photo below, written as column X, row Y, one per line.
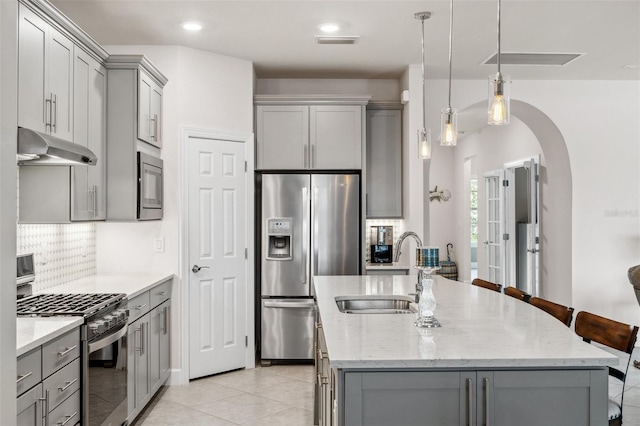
column 541, row 59
column 337, row 39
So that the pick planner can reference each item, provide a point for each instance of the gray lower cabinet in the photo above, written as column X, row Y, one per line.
column 384, row 161
column 48, row 383
column 461, row 398
column 148, row 350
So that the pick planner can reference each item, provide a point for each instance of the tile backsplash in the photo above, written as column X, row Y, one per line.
column 62, row 252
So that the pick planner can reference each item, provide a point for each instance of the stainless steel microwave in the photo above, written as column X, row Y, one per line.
column 150, row 187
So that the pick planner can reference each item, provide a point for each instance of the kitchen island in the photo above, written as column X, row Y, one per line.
column 495, row 360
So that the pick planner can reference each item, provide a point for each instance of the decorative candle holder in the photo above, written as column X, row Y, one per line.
column 427, row 303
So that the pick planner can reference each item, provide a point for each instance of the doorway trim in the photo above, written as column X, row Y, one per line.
column 186, row 133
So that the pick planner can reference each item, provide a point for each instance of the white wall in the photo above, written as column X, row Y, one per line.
column 598, row 121
column 205, row 90
column 378, row 89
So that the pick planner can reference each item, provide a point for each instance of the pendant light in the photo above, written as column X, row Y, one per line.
column 498, row 112
column 449, row 116
column 424, row 134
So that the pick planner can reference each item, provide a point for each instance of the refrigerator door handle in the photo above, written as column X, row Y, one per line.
column 298, row 305
column 304, row 266
column 314, row 267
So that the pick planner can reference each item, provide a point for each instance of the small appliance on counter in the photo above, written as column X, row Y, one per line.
column 381, row 244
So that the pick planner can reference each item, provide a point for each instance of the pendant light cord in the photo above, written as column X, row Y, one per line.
column 450, row 51
column 424, row 89
column 499, row 1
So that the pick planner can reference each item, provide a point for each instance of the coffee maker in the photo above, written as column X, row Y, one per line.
column 381, row 244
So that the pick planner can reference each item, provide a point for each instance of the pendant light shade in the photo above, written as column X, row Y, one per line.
column 499, row 101
column 424, row 144
column 424, row 134
column 449, row 116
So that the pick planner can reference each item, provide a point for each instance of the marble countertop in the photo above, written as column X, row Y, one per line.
column 131, row 284
column 35, row 331
column 480, row 329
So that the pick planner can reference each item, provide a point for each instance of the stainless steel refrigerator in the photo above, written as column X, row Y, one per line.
column 310, row 226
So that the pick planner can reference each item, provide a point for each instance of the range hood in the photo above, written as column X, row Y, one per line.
column 36, row 148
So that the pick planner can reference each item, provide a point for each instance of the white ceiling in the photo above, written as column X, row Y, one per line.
column 279, row 36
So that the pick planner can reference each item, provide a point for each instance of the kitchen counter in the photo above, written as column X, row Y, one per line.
column 131, row 284
column 480, row 329
column 33, row 332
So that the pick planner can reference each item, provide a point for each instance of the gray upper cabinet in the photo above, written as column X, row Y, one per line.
column 45, row 86
column 90, row 130
column 135, row 99
column 63, row 92
column 384, row 162
column 149, row 109
column 309, row 133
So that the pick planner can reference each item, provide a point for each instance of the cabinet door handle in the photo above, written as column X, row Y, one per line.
column 45, row 406
column 54, row 118
column 24, row 376
column 469, row 402
column 485, row 385
column 95, row 200
column 67, row 350
column 67, row 419
column 139, row 307
column 313, row 156
column 306, row 156
column 155, row 127
column 166, row 319
column 66, row 385
column 142, row 338
column 47, row 113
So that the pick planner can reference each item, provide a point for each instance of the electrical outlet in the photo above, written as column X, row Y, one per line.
column 158, row 244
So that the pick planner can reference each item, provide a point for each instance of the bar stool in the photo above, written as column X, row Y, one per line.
column 487, row 284
column 517, row 293
column 615, row 335
column 561, row 312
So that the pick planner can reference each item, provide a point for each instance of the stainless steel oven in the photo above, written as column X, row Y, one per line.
column 150, row 187
column 104, row 354
column 105, row 384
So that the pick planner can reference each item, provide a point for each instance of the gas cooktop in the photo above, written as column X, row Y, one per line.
column 66, row 304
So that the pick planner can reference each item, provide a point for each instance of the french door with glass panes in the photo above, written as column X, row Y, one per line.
column 494, row 229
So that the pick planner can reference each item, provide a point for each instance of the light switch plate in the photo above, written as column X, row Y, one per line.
column 158, row 244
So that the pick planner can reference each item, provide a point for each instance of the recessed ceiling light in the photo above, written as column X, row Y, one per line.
column 192, row 26
column 329, row 27
column 630, row 67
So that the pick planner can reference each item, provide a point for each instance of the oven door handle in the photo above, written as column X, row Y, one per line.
column 108, row 339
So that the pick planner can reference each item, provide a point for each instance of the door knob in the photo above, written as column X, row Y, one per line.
column 197, row 268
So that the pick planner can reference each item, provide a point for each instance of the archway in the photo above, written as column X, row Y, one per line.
column 556, row 197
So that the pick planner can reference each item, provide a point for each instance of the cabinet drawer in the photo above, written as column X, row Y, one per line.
column 60, row 352
column 29, row 370
column 67, row 413
column 160, row 293
column 138, row 306
column 62, row 383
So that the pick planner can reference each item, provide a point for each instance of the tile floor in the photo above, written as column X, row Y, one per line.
column 280, row 395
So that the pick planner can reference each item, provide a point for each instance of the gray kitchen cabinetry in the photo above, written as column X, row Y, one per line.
column 45, row 87
column 135, row 102
column 133, row 83
column 48, row 382
column 62, row 91
column 89, row 184
column 384, row 161
column 309, row 133
column 148, row 356
column 468, row 397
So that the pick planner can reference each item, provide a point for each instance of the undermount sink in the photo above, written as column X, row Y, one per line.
column 375, row 304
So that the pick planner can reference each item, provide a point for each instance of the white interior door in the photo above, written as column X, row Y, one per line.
column 217, row 255
column 494, row 227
